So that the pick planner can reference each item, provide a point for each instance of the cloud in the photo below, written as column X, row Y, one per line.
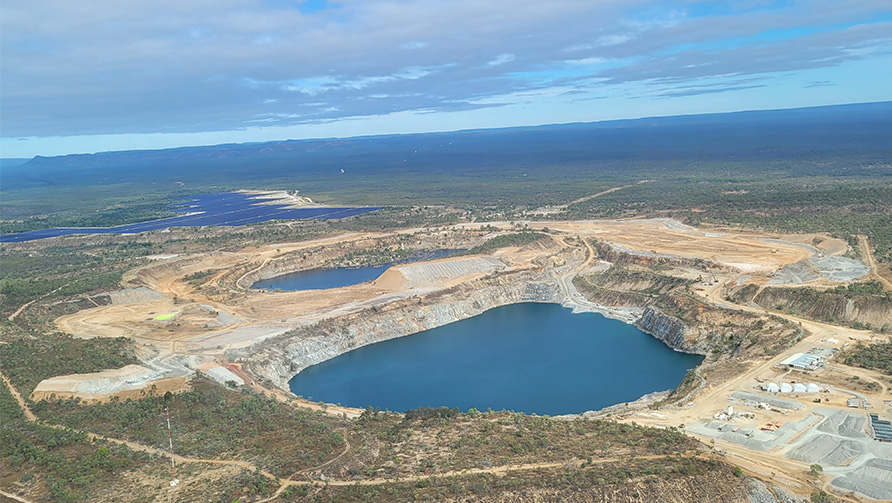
column 110, row 67
column 694, row 92
column 501, row 59
column 819, row 83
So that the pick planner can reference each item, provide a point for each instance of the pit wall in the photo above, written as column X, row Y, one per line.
column 669, row 329
column 281, row 358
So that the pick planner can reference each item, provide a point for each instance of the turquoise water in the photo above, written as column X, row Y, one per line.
column 322, row 279
column 534, row 358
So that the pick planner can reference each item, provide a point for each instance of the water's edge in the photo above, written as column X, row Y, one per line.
column 280, row 358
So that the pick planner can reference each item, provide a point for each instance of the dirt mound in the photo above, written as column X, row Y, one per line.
column 392, row 279
column 437, row 273
column 125, row 382
column 444, row 272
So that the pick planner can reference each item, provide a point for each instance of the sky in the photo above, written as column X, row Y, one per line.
column 80, row 77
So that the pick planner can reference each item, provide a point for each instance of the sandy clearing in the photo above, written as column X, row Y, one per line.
column 249, row 316
column 130, row 381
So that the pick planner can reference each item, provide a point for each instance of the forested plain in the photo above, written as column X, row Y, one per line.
column 818, row 169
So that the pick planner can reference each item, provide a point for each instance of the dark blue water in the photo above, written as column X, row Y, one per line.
column 321, row 279
column 534, row 358
column 229, row 209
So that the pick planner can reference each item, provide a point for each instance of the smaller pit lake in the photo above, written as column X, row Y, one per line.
column 533, row 358
column 322, row 279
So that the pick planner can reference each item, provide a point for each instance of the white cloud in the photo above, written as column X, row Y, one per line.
column 107, row 66
column 501, row 59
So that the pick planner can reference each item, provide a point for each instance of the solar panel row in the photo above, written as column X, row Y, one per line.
column 225, row 209
column 882, row 429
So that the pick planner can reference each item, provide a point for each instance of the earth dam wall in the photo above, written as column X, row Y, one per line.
column 281, row 358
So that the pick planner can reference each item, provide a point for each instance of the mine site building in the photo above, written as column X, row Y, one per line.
column 813, row 360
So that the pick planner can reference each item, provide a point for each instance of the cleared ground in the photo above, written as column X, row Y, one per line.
column 192, row 323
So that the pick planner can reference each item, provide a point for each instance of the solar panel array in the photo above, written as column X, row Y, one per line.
column 228, row 208
column 882, row 429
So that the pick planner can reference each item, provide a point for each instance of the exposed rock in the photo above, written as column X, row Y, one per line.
column 823, row 305
column 670, row 330
column 280, row 358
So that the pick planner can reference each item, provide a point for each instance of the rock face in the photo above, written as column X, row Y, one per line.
column 280, row 358
column 669, row 329
column 829, row 305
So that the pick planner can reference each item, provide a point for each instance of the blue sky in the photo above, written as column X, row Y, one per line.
column 110, row 75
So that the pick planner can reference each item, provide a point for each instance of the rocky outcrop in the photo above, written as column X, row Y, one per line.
column 867, row 309
column 280, row 358
column 682, row 320
column 619, row 286
column 669, row 329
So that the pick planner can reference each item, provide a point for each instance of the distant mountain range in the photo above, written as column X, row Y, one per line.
column 530, row 166
column 755, row 135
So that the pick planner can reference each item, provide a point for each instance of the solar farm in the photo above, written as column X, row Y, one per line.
column 227, row 209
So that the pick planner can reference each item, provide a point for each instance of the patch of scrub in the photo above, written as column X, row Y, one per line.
column 131, row 295
column 164, row 317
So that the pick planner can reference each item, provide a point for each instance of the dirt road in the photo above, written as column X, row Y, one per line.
column 549, row 210
column 290, row 481
column 875, row 271
column 769, row 465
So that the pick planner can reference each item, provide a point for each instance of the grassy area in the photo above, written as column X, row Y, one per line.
column 63, row 464
column 871, row 356
column 210, row 421
column 506, row 240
